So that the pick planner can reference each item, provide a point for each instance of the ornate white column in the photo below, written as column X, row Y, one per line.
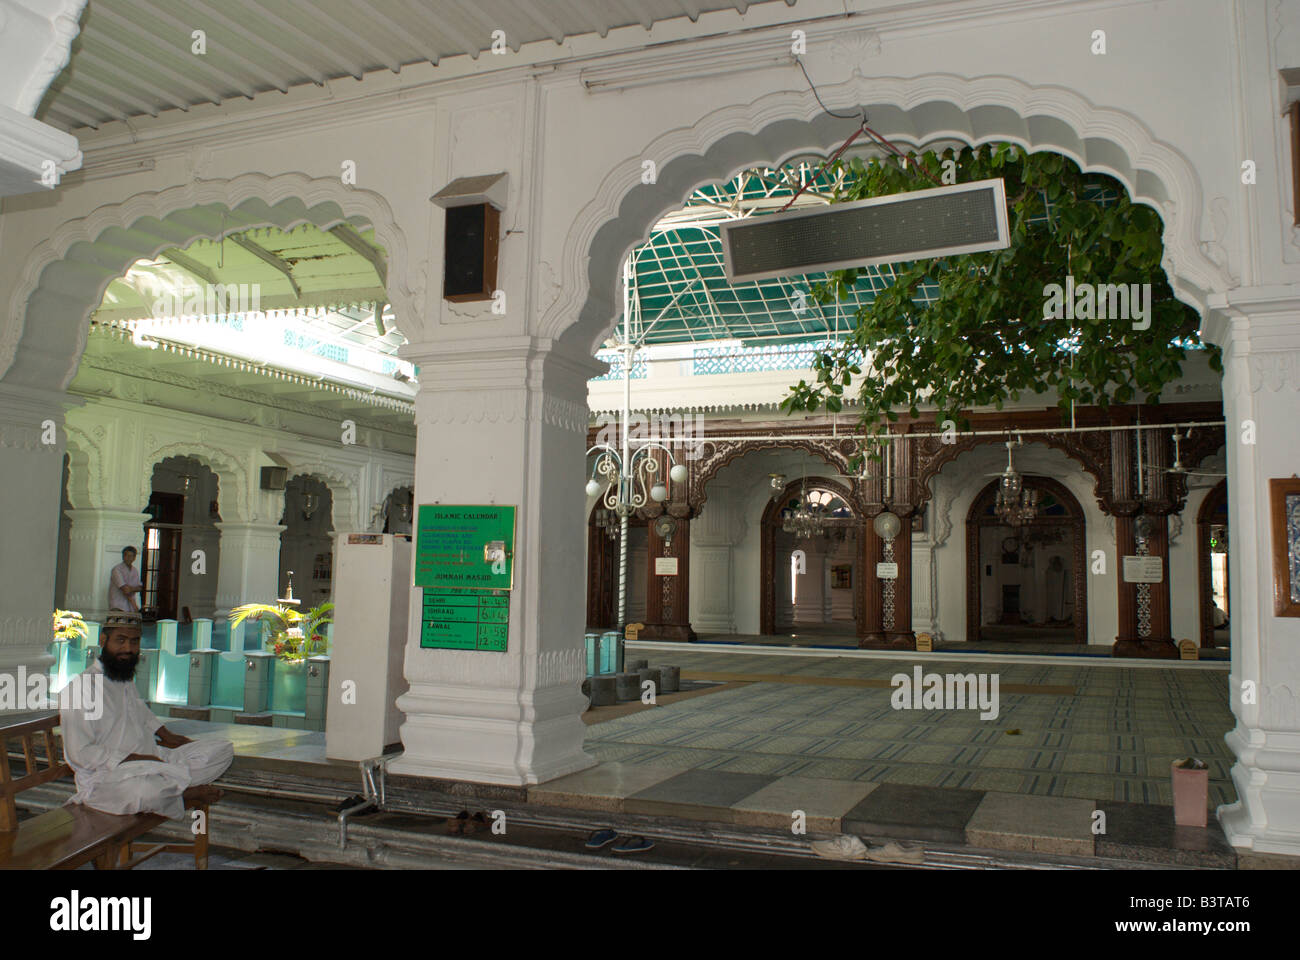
column 97, row 540
column 250, row 564
column 714, row 533
column 31, row 476
column 504, row 422
column 1260, row 337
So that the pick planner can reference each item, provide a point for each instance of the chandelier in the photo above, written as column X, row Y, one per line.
column 607, row 520
column 1015, row 505
column 805, row 521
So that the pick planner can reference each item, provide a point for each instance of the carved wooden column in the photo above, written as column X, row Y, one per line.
column 668, row 608
column 898, row 614
column 1143, row 607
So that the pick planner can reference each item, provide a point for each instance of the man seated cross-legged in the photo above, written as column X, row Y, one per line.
column 125, row 760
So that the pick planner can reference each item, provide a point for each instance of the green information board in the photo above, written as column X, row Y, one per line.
column 465, row 547
column 465, row 619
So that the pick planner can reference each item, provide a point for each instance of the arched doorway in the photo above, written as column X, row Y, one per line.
column 306, row 543
column 827, row 569
column 1027, row 583
column 1212, row 566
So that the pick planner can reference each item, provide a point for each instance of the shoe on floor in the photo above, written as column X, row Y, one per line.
column 844, row 847
column 894, row 852
column 458, row 823
column 634, row 845
column 601, row 839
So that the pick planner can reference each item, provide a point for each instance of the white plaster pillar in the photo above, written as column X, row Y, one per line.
column 504, row 422
column 97, row 540
column 1261, row 396
column 713, row 537
column 250, row 564
column 31, row 475
column 812, row 582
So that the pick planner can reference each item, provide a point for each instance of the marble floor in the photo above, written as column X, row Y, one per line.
column 1064, row 729
column 816, row 731
column 814, row 638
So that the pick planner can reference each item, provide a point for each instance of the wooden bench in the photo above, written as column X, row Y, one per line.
column 74, row 834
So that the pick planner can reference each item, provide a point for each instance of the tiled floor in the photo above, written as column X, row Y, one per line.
column 813, row 740
column 1065, row 730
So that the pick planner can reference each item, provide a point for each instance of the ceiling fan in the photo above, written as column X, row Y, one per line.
column 1179, row 469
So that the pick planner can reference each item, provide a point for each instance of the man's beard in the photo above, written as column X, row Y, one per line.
column 120, row 668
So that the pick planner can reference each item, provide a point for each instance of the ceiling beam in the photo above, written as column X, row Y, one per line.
column 312, row 12
column 225, row 49
column 149, row 41
column 190, row 265
column 533, row 11
column 349, row 66
column 276, row 51
column 348, row 236
column 269, row 258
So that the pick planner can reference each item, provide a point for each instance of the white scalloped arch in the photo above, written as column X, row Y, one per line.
column 65, row 277
column 918, row 112
column 343, row 488
column 86, row 481
column 232, row 474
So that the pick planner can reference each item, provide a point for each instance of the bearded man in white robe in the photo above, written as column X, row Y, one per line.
column 124, row 759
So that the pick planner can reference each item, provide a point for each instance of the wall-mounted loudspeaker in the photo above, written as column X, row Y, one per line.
column 274, row 478
column 943, row 221
column 471, row 236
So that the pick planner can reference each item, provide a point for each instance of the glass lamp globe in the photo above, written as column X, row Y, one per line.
column 678, row 473
column 593, row 487
column 886, row 525
column 659, row 493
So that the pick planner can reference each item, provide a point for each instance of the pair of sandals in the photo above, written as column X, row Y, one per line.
column 463, row 823
column 603, row 838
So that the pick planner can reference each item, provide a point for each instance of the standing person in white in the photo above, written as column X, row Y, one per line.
column 124, row 584
column 125, row 760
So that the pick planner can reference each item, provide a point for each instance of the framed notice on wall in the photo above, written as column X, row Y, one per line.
column 465, row 547
column 1143, row 569
column 465, row 619
column 1285, row 497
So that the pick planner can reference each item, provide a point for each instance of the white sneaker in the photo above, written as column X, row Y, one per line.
column 843, row 847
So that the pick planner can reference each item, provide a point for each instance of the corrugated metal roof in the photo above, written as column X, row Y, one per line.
column 134, row 57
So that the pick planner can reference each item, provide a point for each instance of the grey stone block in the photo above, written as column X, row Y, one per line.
column 603, row 690
column 628, row 686
column 670, row 679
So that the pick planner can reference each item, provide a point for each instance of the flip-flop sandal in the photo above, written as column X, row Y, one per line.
column 634, row 845
column 601, row 839
column 457, row 824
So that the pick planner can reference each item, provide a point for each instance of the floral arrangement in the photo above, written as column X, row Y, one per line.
column 295, row 635
column 69, row 625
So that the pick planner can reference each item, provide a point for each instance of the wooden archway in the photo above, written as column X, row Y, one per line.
column 1213, row 511
column 977, row 518
column 771, row 521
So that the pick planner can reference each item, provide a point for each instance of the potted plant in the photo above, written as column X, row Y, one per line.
column 68, row 625
column 295, row 635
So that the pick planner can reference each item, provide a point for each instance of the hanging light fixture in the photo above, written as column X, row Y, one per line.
column 187, row 484
column 806, row 520
column 309, row 503
column 1015, row 504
